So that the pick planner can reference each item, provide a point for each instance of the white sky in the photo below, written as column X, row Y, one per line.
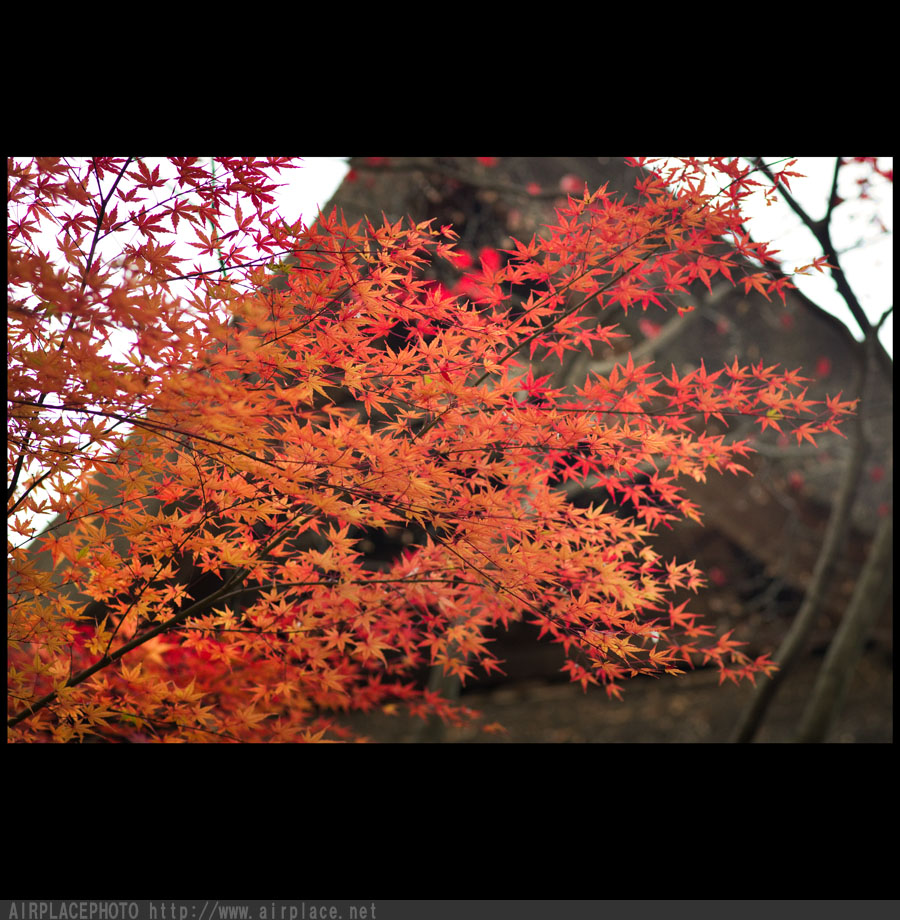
column 867, row 256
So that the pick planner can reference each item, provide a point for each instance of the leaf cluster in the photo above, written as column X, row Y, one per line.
column 314, row 383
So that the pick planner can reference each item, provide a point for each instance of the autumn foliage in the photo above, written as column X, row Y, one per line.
column 310, row 383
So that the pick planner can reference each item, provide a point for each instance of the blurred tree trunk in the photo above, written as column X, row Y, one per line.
column 872, row 592
column 810, row 610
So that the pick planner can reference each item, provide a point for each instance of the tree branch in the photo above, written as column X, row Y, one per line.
column 835, row 535
column 867, row 604
column 821, row 230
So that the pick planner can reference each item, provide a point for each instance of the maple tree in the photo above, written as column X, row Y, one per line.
column 315, row 383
